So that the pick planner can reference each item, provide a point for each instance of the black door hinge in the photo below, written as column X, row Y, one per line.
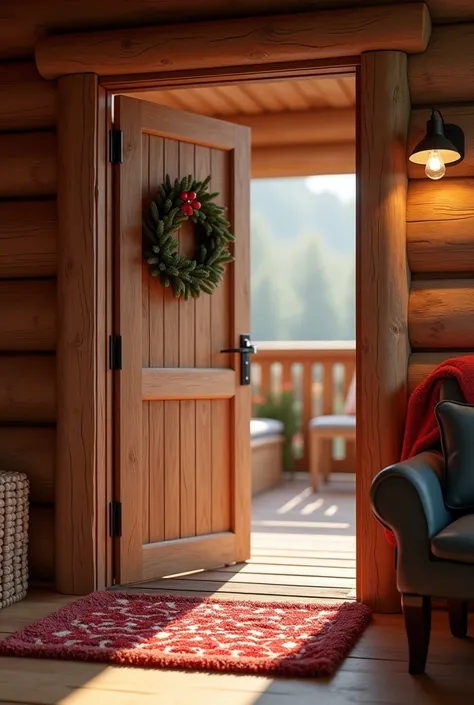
column 115, row 352
column 115, row 519
column 116, row 146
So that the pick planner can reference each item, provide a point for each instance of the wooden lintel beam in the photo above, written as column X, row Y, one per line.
column 236, row 42
column 302, row 127
column 303, row 160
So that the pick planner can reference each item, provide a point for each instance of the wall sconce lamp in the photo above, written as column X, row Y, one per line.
column 443, row 145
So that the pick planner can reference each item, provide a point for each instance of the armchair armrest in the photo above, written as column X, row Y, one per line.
column 407, row 498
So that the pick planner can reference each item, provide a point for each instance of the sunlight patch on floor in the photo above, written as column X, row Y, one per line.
column 303, row 524
column 330, row 511
column 312, row 507
column 294, row 501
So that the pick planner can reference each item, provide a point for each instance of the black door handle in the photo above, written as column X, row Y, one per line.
column 246, row 349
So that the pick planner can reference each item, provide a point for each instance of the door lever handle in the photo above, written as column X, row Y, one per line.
column 245, row 350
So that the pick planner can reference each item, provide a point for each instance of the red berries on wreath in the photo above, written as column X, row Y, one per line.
column 190, row 203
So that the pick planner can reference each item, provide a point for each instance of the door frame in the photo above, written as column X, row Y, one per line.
column 381, row 336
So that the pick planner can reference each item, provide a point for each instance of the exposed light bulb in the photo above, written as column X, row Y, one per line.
column 435, row 168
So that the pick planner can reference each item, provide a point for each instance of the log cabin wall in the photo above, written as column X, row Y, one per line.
column 28, row 225
column 440, row 214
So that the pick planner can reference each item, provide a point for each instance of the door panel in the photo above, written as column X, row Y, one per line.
column 182, row 417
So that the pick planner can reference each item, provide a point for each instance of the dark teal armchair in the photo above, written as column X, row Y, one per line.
column 435, row 546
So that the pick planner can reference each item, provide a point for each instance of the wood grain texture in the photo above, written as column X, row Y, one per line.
column 27, row 389
column 240, row 42
column 462, row 115
column 170, row 336
column 104, row 447
column 440, row 226
column 152, row 327
column 78, row 410
column 28, row 315
column 41, row 542
column 175, row 368
column 224, row 335
column 267, row 463
column 303, row 160
column 240, row 453
column 128, row 318
column 27, row 101
column 376, row 665
column 421, row 364
column 33, row 451
column 187, row 358
column 23, row 23
column 440, row 314
column 442, row 73
column 302, row 127
column 184, row 554
column 187, row 383
column 202, row 167
column 382, row 302
column 28, row 237
column 28, row 164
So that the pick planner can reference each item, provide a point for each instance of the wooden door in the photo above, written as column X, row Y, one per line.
column 182, row 460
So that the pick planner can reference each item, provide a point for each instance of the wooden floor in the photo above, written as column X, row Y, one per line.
column 303, row 549
column 309, row 536
column 373, row 674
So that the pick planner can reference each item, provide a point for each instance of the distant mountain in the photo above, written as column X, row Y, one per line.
column 289, row 208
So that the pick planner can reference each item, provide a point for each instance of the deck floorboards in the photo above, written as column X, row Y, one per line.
column 303, row 549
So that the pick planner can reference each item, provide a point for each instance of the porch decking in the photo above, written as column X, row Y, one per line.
column 303, row 549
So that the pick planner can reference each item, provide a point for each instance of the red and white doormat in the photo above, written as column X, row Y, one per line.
column 162, row 631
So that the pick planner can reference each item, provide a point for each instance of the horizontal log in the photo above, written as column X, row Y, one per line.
column 440, row 314
column 440, row 226
column 41, row 542
column 28, row 315
column 462, row 115
column 166, row 384
column 236, row 42
column 305, row 127
column 303, row 160
column 421, row 364
column 27, row 389
column 28, row 239
column 31, row 450
column 27, row 101
column 27, row 164
column 443, row 73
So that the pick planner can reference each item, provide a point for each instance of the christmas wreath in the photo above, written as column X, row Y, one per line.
column 174, row 204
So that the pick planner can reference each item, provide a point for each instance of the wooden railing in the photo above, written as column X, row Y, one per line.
column 319, row 375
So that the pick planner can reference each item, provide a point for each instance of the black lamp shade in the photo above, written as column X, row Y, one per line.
column 437, row 139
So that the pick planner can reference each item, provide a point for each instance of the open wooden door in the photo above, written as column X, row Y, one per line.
column 182, row 424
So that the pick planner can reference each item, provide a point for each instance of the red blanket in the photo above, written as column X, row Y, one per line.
column 421, row 428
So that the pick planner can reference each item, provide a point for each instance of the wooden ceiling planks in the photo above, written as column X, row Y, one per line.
column 295, row 129
column 253, row 99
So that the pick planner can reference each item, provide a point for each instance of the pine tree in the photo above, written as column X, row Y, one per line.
column 318, row 317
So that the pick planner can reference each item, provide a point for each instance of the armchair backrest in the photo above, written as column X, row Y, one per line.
column 451, row 391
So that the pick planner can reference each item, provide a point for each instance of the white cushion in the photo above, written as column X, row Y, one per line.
column 342, row 422
column 263, row 428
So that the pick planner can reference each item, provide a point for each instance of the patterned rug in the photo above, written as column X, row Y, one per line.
column 162, row 631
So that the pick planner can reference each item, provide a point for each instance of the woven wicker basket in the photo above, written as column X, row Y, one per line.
column 14, row 494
